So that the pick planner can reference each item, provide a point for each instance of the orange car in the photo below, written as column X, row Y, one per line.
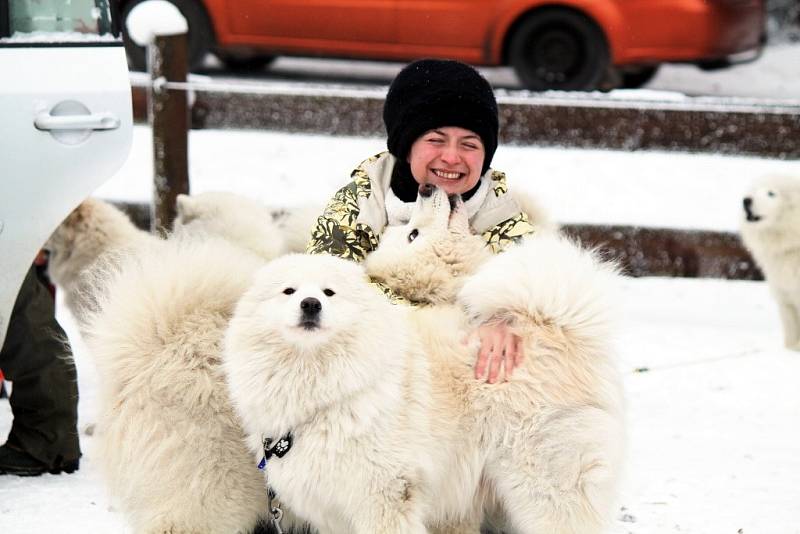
column 552, row 44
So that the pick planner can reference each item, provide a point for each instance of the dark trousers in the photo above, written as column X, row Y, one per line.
column 36, row 358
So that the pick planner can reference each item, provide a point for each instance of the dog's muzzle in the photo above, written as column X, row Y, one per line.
column 310, row 311
column 748, row 210
column 425, row 190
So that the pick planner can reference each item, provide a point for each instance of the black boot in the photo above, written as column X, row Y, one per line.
column 15, row 461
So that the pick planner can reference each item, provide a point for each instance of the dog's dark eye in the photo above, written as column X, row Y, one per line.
column 413, row 235
column 288, row 291
column 770, row 193
column 329, row 292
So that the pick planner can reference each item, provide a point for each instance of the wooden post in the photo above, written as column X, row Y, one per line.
column 168, row 116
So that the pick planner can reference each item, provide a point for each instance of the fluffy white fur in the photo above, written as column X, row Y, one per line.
column 770, row 229
column 87, row 240
column 266, row 231
column 296, row 224
column 239, row 219
column 427, row 259
column 393, row 434
column 172, row 448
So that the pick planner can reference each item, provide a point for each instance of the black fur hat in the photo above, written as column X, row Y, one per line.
column 433, row 93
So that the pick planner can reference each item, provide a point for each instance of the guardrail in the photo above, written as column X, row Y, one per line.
column 768, row 129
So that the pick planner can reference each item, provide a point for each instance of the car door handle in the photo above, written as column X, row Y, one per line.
column 94, row 121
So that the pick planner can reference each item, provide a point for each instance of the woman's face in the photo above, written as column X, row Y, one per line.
column 449, row 157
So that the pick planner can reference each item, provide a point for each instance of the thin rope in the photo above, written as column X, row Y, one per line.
column 702, row 361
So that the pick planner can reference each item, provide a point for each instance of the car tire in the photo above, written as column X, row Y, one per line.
column 559, row 49
column 636, row 78
column 201, row 35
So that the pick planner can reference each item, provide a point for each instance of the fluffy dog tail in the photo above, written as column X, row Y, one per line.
column 558, row 296
column 546, row 280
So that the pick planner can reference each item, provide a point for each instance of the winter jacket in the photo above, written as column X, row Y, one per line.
column 351, row 225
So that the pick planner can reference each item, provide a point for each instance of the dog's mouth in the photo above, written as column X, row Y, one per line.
column 309, row 324
column 747, row 204
column 749, row 215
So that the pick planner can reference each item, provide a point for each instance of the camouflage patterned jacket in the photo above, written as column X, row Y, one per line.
column 351, row 225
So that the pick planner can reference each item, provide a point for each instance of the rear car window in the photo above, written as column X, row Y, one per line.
column 56, row 21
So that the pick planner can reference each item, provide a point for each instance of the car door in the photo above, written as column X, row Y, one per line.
column 455, row 29
column 65, row 121
column 314, row 26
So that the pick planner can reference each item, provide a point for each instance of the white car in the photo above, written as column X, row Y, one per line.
column 65, row 121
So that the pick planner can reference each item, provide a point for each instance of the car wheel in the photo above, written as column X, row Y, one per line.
column 636, row 78
column 559, row 49
column 200, row 36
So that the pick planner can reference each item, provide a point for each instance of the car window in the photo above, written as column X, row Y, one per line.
column 55, row 21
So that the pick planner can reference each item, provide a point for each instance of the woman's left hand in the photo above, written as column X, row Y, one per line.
column 500, row 351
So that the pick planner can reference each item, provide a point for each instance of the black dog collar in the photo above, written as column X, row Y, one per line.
column 279, row 448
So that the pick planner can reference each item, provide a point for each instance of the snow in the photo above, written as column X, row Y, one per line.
column 712, row 399
column 58, row 37
column 773, row 75
column 155, row 18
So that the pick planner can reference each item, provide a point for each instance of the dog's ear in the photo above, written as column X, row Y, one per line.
column 459, row 218
column 184, row 205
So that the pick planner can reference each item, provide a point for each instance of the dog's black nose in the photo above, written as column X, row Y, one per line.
column 426, row 190
column 748, row 201
column 310, row 306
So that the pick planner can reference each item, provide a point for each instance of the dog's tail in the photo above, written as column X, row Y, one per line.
column 547, row 279
column 559, row 297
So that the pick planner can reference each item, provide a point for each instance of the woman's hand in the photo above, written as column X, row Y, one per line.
column 500, row 351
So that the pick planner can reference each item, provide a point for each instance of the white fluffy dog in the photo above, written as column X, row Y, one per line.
column 427, row 259
column 771, row 231
column 391, row 433
column 87, row 239
column 267, row 231
column 172, row 447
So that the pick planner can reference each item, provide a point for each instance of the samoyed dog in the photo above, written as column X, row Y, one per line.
column 171, row 445
column 770, row 230
column 427, row 260
column 369, row 416
column 267, row 231
column 87, row 240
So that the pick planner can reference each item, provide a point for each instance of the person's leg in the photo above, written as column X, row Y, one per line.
column 44, row 397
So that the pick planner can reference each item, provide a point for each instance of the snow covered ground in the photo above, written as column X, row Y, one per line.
column 713, row 402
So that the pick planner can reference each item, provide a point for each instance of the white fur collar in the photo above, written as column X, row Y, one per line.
column 399, row 212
